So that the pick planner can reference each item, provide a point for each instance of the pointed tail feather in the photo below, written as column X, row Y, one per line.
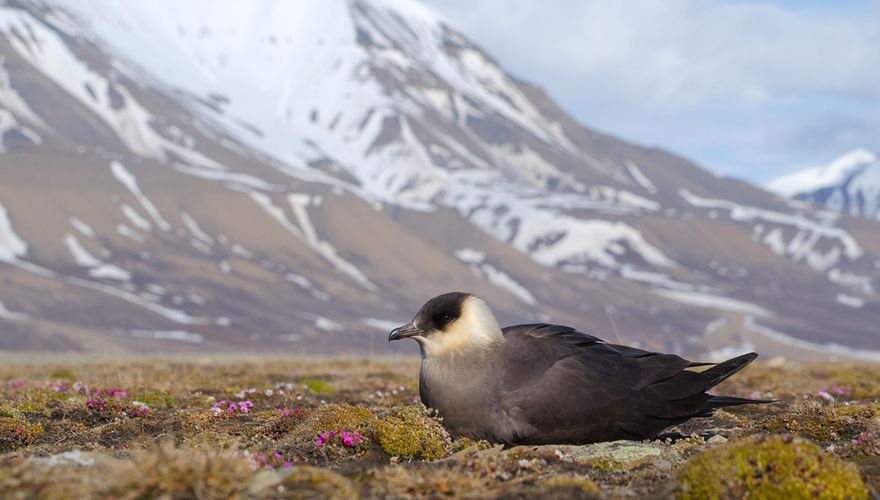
column 722, row 371
column 722, row 401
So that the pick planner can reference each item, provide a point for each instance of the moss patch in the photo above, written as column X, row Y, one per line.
column 318, row 386
column 825, row 423
column 413, row 432
column 769, row 467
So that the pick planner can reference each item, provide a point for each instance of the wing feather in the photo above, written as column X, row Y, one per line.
column 562, row 385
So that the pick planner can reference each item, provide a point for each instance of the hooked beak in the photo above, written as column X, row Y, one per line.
column 403, row 332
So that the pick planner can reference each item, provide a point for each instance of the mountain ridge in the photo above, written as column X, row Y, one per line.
column 849, row 184
column 307, row 212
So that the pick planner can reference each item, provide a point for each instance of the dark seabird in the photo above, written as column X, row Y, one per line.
column 551, row 384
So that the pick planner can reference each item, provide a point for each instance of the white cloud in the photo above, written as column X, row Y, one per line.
column 681, row 51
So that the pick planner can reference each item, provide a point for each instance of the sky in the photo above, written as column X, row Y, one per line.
column 749, row 89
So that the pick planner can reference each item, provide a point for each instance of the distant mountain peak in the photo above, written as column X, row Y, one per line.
column 849, row 184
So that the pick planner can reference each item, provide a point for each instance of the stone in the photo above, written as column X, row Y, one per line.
column 628, row 454
column 717, row 439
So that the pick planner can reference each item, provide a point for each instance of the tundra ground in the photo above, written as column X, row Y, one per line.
column 269, row 427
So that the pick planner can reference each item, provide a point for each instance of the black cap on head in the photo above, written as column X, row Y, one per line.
column 435, row 315
column 440, row 311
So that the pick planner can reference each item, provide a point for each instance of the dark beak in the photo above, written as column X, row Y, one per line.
column 403, row 332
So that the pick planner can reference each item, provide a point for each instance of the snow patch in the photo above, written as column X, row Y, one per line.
column 97, row 268
column 82, row 227
column 80, row 255
column 476, row 261
column 11, row 246
column 195, row 229
column 640, row 177
column 849, row 301
column 380, row 324
column 727, row 352
column 713, row 302
column 815, row 178
column 166, row 312
column 11, row 315
column 803, row 246
column 135, row 218
column 128, row 180
column 129, row 233
column 307, row 285
column 328, row 325
column 176, row 335
column 307, row 234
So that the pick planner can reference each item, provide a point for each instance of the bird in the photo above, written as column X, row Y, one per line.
column 536, row 384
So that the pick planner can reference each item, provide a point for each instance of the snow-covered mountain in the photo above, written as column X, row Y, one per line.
column 849, row 184
column 302, row 175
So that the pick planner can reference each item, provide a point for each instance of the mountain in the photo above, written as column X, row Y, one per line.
column 301, row 176
column 849, row 184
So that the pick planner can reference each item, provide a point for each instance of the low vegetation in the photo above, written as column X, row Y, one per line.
column 238, row 427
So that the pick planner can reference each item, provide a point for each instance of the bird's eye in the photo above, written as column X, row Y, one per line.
column 442, row 319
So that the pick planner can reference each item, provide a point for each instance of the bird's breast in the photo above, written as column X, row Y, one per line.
column 464, row 397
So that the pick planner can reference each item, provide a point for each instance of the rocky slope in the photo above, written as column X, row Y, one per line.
column 303, row 175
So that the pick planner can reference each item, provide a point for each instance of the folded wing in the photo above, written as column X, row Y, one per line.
column 561, row 385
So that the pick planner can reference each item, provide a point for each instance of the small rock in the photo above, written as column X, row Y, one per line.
column 495, row 450
column 776, row 362
column 717, row 439
column 74, row 457
column 629, row 454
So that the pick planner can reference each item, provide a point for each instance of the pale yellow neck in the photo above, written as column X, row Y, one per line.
column 471, row 334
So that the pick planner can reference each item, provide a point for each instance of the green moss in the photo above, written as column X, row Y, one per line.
column 314, row 482
column 863, row 382
column 411, row 431
column 333, row 417
column 570, row 487
column 16, row 432
column 465, row 443
column 769, row 467
column 823, row 423
column 30, row 406
column 407, row 431
column 63, row 374
column 318, row 386
column 868, row 411
column 156, row 399
column 605, row 464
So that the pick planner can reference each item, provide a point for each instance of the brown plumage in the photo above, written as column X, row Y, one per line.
column 543, row 384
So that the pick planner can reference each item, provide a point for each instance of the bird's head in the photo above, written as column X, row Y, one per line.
column 450, row 324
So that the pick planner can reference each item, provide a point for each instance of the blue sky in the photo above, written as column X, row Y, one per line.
column 750, row 89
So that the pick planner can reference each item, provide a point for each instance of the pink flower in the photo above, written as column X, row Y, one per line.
column 826, row 396
column 322, row 440
column 139, row 410
column 15, row 384
column 96, row 404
